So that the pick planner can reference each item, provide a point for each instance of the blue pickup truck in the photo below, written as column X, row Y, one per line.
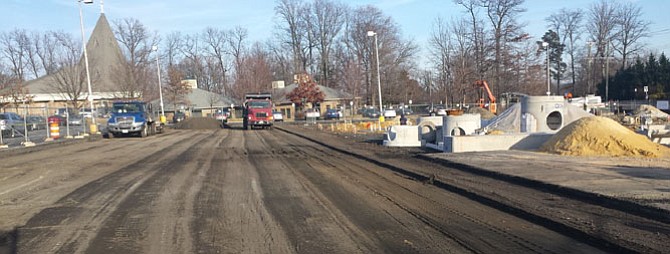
column 133, row 118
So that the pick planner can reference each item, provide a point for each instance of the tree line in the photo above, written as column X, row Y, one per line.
column 329, row 40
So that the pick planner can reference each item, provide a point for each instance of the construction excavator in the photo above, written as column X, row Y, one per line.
column 492, row 99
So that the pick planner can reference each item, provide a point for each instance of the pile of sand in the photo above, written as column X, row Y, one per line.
column 601, row 136
column 648, row 110
column 484, row 113
column 198, row 123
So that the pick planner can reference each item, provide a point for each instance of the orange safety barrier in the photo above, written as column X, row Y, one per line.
column 54, row 127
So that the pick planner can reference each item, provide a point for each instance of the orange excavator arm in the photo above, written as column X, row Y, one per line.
column 482, row 83
column 492, row 99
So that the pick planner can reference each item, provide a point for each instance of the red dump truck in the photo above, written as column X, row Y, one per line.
column 257, row 111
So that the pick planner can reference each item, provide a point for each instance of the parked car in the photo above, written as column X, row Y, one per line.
column 277, row 116
column 371, row 112
column 36, row 122
column 85, row 112
column 389, row 113
column 405, row 111
column 332, row 114
column 178, row 117
column 11, row 121
column 312, row 114
column 75, row 120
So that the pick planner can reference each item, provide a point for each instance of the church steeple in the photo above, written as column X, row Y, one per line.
column 104, row 54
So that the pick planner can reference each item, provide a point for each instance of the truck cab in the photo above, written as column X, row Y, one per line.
column 132, row 118
column 257, row 111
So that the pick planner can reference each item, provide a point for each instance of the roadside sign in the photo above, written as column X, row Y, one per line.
column 646, row 89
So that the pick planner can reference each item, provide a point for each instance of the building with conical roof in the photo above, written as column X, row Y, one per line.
column 105, row 59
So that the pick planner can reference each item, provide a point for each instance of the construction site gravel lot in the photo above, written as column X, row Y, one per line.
column 293, row 189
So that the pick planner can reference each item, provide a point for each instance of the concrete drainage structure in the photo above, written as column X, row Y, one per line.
column 461, row 125
column 523, row 126
column 542, row 113
column 430, row 132
column 402, row 136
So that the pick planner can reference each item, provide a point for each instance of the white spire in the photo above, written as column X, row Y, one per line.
column 102, row 6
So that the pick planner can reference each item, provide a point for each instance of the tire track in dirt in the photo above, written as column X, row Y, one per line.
column 376, row 226
column 130, row 227
column 49, row 181
column 170, row 229
column 583, row 219
column 310, row 219
column 69, row 224
column 231, row 216
column 493, row 231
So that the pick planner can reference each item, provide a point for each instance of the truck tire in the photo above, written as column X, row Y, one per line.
column 110, row 135
column 144, row 133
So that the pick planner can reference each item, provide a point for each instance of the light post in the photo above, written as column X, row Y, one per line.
column 160, row 84
column 379, row 81
column 589, row 69
column 351, row 110
column 88, row 75
column 545, row 45
column 607, row 73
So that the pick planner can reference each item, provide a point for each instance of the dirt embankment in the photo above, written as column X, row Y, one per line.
column 199, row 123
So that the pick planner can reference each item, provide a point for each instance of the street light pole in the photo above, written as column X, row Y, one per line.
column 160, row 84
column 379, row 82
column 607, row 72
column 88, row 74
column 546, row 51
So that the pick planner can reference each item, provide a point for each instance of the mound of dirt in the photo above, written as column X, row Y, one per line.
column 485, row 113
column 648, row 110
column 198, row 123
column 601, row 136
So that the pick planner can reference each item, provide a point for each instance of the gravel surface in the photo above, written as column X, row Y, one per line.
column 292, row 189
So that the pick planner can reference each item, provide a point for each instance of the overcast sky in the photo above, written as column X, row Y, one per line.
column 414, row 17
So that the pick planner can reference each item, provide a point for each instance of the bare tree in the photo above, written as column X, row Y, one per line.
column 32, row 58
column 502, row 14
column 175, row 89
column 631, row 29
column 15, row 45
column 216, row 41
column 193, row 64
column 256, row 74
column 602, row 29
column 49, row 51
column 465, row 67
column 137, row 44
column 70, row 80
column 567, row 24
column 172, row 48
column 441, row 51
column 477, row 34
column 395, row 54
column 280, row 64
column 294, row 30
column 236, row 46
column 325, row 24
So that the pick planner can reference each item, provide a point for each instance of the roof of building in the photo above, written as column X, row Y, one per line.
column 104, row 57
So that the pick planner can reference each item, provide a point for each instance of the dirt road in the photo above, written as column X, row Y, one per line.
column 262, row 191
